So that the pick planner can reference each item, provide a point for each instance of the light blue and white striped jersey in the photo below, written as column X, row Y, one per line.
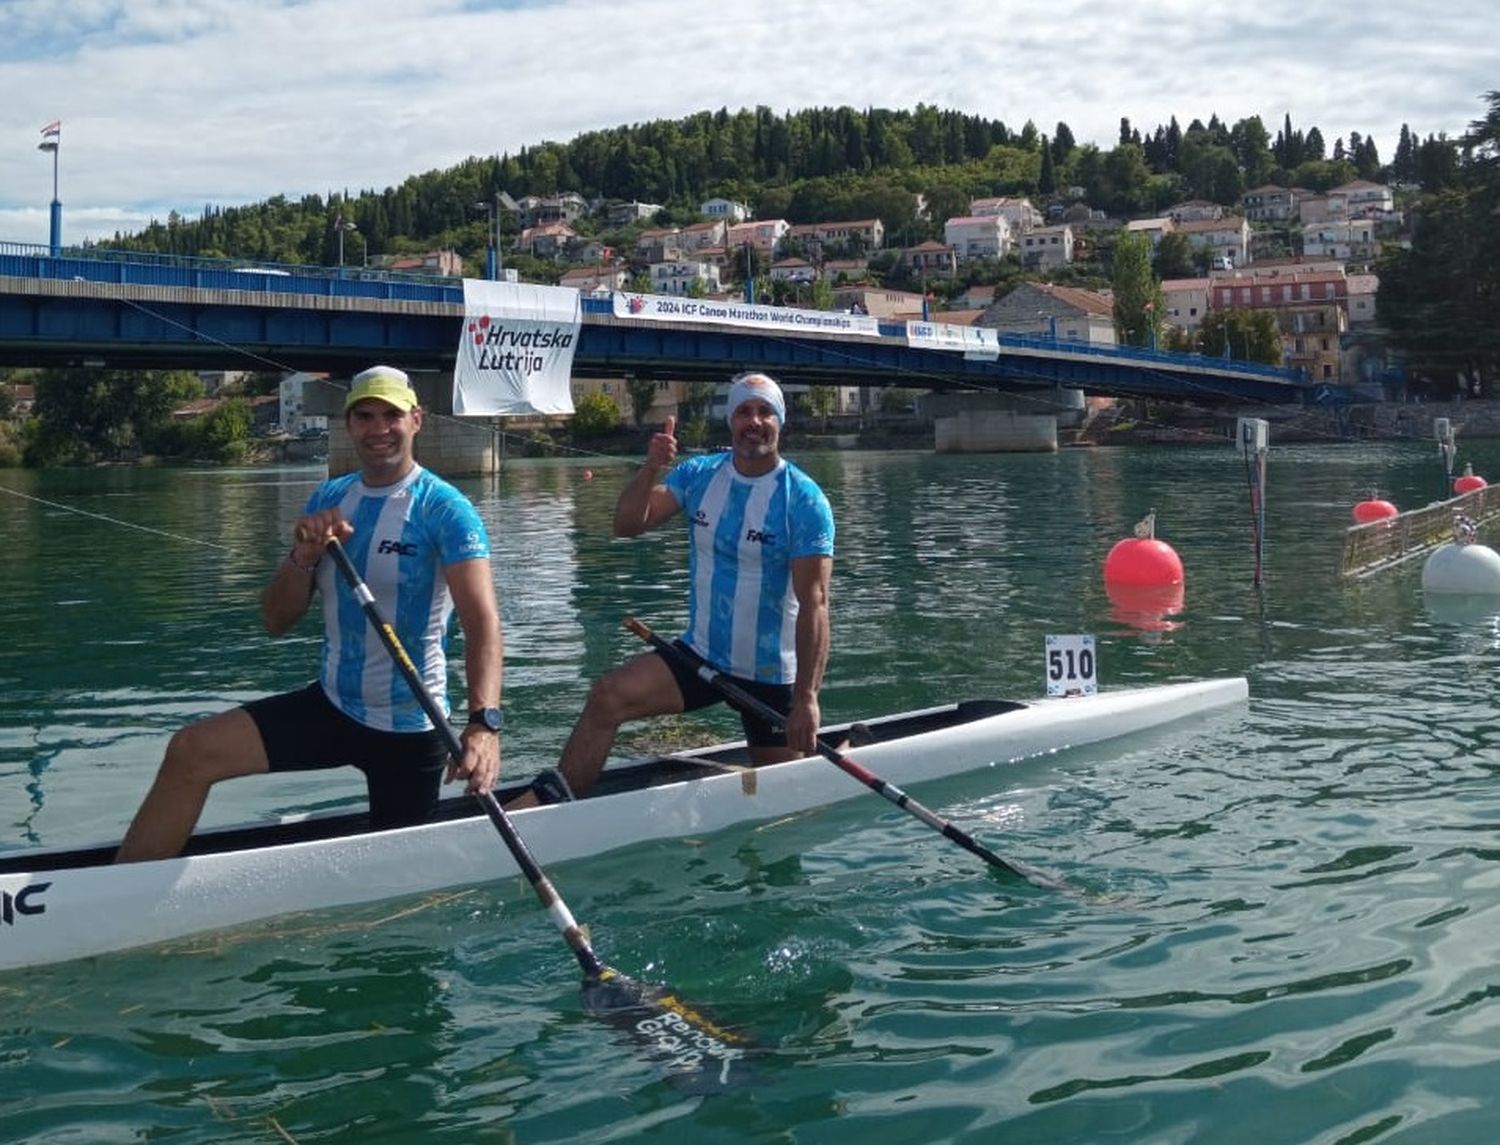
column 745, row 533
column 403, row 536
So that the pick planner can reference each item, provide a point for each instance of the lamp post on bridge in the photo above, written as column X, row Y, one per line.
column 52, row 141
column 343, row 226
column 492, row 237
column 494, row 262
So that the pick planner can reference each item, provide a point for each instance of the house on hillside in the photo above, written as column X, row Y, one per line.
column 544, row 210
column 659, row 244
column 623, row 214
column 447, row 262
column 291, row 403
column 682, row 276
column 1348, row 240
column 931, row 260
column 595, row 279
column 701, row 236
column 548, row 240
column 1185, row 302
column 792, row 270
column 1226, row 238
column 1018, row 212
column 725, row 210
column 1154, row 229
column 1047, row 248
column 1195, row 211
column 878, row 302
column 1067, row 313
column 764, row 235
column 978, row 236
column 1269, row 203
column 1364, row 198
column 1311, row 309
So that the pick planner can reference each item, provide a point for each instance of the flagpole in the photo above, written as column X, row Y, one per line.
column 52, row 141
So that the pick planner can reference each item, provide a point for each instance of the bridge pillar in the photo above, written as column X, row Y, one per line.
column 449, row 446
column 1002, row 423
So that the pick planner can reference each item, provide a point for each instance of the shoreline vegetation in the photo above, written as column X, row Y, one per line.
column 1125, row 423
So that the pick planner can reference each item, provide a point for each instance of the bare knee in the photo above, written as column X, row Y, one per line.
column 635, row 690
column 219, row 747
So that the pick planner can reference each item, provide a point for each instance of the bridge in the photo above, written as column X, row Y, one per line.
column 130, row 310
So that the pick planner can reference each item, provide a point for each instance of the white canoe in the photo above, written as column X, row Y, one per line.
column 61, row 904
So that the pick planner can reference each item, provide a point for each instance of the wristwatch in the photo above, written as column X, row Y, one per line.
column 492, row 719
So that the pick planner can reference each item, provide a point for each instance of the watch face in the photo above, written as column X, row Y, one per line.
column 492, row 718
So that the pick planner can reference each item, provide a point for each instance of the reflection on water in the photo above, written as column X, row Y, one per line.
column 1300, row 917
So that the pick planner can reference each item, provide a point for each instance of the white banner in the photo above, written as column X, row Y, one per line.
column 971, row 341
column 515, row 355
column 666, row 308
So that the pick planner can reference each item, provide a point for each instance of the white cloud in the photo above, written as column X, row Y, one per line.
column 181, row 103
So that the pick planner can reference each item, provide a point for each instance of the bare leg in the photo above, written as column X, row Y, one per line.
column 198, row 756
column 636, row 689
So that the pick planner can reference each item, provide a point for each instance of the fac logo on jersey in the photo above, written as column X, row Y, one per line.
column 406, row 550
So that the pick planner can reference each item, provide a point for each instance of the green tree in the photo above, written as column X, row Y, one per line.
column 1439, row 298
column 820, row 402
column 594, row 415
column 1138, row 298
column 642, row 397
column 1174, row 256
column 95, row 414
column 1241, row 335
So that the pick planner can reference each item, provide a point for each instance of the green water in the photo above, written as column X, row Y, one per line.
column 1301, row 947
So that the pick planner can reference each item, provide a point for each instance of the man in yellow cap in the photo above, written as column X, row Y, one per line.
column 422, row 548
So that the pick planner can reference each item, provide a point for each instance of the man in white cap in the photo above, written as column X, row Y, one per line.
column 422, row 548
column 759, row 565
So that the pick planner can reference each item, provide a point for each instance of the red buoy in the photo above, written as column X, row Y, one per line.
column 1468, row 481
column 1374, row 509
column 1142, row 560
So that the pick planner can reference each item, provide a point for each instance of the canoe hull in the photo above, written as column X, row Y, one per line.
column 57, row 909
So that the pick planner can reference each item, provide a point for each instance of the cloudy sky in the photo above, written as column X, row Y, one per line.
column 180, row 103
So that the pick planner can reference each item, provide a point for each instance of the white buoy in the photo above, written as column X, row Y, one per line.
column 1471, row 570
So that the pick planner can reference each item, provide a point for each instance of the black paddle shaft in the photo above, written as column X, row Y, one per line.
column 694, row 1051
column 745, row 702
column 545, row 891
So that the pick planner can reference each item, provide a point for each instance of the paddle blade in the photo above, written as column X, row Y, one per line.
column 695, row 1053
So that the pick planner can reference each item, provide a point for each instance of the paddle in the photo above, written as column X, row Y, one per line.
column 744, row 701
column 694, row 1051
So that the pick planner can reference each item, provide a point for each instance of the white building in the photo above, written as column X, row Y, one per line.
column 292, row 402
column 680, row 277
column 1019, row 213
column 978, row 236
column 726, row 210
column 1185, row 302
column 1047, row 248
column 1348, row 240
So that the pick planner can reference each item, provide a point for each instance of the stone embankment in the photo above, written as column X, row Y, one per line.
column 1160, row 423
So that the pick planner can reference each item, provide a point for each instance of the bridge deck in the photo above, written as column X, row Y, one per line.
column 155, row 311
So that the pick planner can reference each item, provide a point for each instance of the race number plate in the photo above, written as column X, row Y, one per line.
column 1072, row 668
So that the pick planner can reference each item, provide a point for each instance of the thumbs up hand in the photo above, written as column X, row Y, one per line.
column 662, row 452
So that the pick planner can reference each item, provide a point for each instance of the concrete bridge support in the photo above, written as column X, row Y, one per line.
column 448, row 445
column 1003, row 423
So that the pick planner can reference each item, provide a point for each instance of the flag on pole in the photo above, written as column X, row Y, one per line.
column 51, row 136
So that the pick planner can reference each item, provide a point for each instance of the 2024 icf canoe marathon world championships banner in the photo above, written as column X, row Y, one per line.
column 515, row 355
column 670, row 308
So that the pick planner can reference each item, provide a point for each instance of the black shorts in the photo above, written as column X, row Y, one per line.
column 403, row 771
column 699, row 693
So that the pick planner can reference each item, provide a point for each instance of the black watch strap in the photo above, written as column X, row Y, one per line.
column 491, row 718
